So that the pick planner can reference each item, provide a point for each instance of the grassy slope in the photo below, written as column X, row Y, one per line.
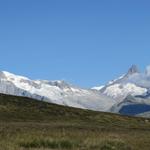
column 30, row 124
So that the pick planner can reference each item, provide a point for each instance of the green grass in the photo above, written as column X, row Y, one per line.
column 27, row 124
column 47, row 143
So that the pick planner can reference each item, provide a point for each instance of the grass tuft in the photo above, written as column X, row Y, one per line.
column 114, row 145
column 46, row 143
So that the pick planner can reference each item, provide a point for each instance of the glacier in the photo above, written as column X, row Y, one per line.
column 58, row 92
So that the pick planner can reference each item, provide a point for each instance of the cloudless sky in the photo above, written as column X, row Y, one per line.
column 85, row 42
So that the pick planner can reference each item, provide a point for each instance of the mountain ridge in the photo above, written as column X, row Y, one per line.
column 58, row 92
column 112, row 97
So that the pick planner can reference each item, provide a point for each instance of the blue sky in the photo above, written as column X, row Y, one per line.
column 86, row 42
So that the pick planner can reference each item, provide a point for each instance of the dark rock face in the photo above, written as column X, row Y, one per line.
column 133, row 69
column 134, row 109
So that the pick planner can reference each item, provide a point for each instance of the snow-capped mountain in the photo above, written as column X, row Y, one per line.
column 122, row 95
column 132, row 83
column 58, row 92
column 131, row 92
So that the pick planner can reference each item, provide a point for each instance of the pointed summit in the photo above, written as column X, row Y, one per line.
column 132, row 70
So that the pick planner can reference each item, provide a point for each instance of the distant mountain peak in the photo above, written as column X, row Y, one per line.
column 132, row 70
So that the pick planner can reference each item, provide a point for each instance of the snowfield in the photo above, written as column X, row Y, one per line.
column 58, row 92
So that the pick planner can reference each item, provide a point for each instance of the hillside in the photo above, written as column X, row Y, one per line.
column 30, row 124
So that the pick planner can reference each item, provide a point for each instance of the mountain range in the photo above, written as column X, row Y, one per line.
column 58, row 92
column 129, row 94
